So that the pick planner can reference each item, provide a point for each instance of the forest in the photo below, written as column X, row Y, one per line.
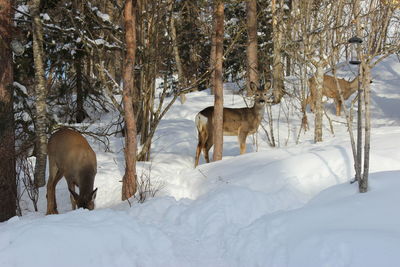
column 114, row 106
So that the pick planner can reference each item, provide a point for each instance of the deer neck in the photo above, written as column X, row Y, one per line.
column 258, row 110
column 86, row 181
column 354, row 84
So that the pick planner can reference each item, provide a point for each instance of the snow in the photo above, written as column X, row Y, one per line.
column 21, row 10
column 45, row 16
column 21, row 87
column 99, row 41
column 287, row 206
column 104, row 17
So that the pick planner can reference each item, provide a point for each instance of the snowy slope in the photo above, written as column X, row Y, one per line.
column 286, row 206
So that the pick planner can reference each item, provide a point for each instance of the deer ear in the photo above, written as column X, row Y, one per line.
column 253, row 86
column 74, row 195
column 94, row 193
column 267, row 85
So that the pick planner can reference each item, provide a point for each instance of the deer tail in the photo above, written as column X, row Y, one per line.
column 201, row 124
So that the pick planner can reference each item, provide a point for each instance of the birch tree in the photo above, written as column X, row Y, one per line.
column 277, row 62
column 314, row 23
column 40, row 95
column 377, row 24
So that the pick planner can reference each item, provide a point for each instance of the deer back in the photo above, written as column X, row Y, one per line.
column 330, row 88
column 246, row 119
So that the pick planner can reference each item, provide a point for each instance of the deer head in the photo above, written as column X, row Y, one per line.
column 84, row 201
column 261, row 96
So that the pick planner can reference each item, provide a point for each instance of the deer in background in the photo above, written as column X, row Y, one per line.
column 330, row 89
column 238, row 122
column 71, row 156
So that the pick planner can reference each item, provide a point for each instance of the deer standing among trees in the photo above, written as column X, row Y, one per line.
column 71, row 156
column 330, row 89
column 238, row 122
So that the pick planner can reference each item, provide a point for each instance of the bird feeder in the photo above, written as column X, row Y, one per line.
column 354, row 43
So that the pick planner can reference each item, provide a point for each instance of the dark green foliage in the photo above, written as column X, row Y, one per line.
column 194, row 37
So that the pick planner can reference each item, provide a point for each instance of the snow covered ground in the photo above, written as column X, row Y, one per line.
column 287, row 206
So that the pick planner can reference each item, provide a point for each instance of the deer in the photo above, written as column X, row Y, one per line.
column 239, row 122
column 71, row 156
column 330, row 89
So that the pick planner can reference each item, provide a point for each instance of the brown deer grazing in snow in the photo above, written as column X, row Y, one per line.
column 238, row 122
column 331, row 90
column 71, row 156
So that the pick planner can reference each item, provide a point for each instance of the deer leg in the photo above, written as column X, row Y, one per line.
column 54, row 177
column 205, row 153
column 208, row 143
column 242, row 141
column 203, row 137
column 338, row 107
column 198, row 151
column 200, row 145
column 312, row 105
column 71, row 187
column 206, row 149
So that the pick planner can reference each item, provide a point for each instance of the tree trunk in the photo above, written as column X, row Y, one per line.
column 288, row 65
column 252, row 58
column 80, row 96
column 349, row 125
column 212, row 56
column 303, row 96
column 358, row 165
column 146, row 111
column 40, row 94
column 277, row 71
column 359, row 131
column 80, row 114
column 178, row 61
column 319, row 79
column 129, row 179
column 8, row 188
column 363, row 185
column 140, row 85
column 218, row 82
